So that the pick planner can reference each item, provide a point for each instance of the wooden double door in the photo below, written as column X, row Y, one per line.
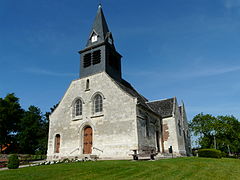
column 87, row 140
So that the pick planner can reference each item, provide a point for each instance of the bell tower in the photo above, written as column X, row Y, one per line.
column 100, row 54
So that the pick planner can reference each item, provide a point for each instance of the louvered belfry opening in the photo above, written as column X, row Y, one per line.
column 92, row 58
column 87, row 60
column 114, row 60
column 96, row 57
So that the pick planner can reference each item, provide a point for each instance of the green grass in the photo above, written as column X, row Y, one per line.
column 179, row 168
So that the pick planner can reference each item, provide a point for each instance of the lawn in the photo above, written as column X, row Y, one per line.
column 178, row 168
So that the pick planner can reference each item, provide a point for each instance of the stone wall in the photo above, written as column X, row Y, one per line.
column 187, row 135
column 147, row 123
column 173, row 136
column 179, row 129
column 114, row 130
column 170, row 134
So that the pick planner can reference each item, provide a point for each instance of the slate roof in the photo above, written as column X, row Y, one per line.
column 127, row 87
column 162, row 107
column 99, row 26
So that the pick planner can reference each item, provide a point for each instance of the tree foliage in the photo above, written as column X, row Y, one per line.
column 31, row 131
column 224, row 130
column 10, row 115
column 25, row 131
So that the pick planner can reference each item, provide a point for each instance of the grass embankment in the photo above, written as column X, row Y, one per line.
column 179, row 168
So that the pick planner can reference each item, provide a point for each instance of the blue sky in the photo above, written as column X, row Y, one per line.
column 184, row 48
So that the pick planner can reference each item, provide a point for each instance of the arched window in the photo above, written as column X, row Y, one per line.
column 78, row 107
column 98, row 104
column 57, row 143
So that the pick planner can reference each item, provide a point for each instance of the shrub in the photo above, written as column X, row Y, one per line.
column 223, row 154
column 13, row 162
column 194, row 152
column 211, row 153
column 43, row 157
column 38, row 157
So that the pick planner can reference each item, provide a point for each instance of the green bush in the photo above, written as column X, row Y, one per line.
column 38, row 157
column 224, row 154
column 34, row 157
column 194, row 152
column 43, row 157
column 211, row 153
column 13, row 162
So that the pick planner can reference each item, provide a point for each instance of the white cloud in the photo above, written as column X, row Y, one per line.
column 187, row 72
column 47, row 72
column 229, row 4
column 211, row 71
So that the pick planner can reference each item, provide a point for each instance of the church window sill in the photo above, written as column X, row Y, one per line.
column 97, row 115
column 77, row 118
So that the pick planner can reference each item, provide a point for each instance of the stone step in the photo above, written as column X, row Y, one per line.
column 165, row 156
column 87, row 157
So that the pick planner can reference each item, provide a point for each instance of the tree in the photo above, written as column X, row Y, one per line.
column 33, row 132
column 221, row 132
column 30, row 130
column 22, row 131
column 228, row 136
column 203, row 126
column 43, row 141
column 10, row 115
column 43, row 134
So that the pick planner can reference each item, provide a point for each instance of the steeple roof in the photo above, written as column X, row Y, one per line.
column 100, row 54
column 99, row 27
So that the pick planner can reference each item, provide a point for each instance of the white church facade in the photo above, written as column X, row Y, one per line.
column 101, row 115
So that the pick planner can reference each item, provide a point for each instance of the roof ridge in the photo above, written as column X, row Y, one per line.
column 160, row 100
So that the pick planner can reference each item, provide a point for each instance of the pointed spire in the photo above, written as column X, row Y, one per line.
column 99, row 28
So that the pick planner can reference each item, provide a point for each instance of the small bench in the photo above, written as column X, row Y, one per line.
column 150, row 154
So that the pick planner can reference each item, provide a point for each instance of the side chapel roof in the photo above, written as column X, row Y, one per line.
column 163, row 107
column 127, row 87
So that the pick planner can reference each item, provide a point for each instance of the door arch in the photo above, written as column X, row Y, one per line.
column 87, row 140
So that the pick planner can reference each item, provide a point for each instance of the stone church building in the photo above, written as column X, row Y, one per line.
column 102, row 115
